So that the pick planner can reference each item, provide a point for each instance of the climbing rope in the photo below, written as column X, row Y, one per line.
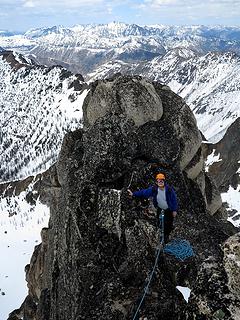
column 159, row 249
column 180, row 249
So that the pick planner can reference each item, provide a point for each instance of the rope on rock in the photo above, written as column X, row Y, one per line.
column 180, row 249
column 159, row 249
column 148, row 284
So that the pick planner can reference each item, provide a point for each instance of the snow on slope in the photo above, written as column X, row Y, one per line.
column 37, row 107
column 211, row 159
column 20, row 226
column 232, row 197
column 210, row 84
column 17, row 42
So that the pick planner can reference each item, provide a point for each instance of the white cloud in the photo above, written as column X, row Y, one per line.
column 159, row 3
column 31, row 13
column 192, row 3
column 210, row 11
column 29, row 4
column 60, row 3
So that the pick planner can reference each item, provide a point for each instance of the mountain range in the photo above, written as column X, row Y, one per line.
column 83, row 47
column 199, row 63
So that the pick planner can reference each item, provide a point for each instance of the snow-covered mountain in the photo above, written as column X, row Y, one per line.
column 5, row 33
column 38, row 105
column 83, row 47
column 209, row 83
column 198, row 62
column 113, row 35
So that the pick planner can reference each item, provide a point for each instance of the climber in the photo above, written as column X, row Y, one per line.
column 164, row 197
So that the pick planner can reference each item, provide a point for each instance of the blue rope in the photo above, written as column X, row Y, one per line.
column 181, row 249
column 148, row 284
column 161, row 242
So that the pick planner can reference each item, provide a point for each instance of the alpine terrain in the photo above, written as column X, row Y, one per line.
column 70, row 149
column 38, row 106
column 199, row 63
column 96, row 254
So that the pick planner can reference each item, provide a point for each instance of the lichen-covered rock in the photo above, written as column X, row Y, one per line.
column 136, row 98
column 214, row 201
column 231, row 250
column 36, row 270
column 179, row 116
column 101, row 245
column 195, row 166
column 109, row 208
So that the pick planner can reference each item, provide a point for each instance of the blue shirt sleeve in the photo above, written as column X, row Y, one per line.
column 174, row 202
column 144, row 193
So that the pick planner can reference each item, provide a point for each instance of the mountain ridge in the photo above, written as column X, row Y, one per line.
column 38, row 106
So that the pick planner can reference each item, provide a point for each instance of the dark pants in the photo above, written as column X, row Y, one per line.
column 168, row 223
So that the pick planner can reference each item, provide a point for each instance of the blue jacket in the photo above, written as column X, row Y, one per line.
column 152, row 191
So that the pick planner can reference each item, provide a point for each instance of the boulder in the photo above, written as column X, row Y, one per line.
column 136, row 98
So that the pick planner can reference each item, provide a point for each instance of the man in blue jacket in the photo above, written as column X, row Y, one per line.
column 164, row 197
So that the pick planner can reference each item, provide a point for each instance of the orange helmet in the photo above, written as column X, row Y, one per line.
column 160, row 176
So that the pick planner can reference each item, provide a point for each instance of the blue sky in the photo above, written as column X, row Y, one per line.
column 21, row 15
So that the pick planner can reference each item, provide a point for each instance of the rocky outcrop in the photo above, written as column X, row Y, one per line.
column 224, row 171
column 232, row 262
column 134, row 99
column 213, row 196
column 100, row 246
column 232, row 266
column 16, row 60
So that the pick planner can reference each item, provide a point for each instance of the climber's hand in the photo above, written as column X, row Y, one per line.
column 174, row 214
column 130, row 193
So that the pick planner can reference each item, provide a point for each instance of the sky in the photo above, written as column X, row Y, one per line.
column 22, row 15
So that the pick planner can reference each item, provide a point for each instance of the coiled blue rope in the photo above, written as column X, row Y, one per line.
column 179, row 248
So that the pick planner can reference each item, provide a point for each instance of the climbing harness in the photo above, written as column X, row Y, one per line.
column 158, row 251
column 181, row 249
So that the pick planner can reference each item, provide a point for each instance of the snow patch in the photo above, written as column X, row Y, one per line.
column 211, row 159
column 185, row 291
column 232, row 197
column 238, row 168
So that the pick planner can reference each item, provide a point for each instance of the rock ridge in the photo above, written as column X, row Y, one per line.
column 100, row 245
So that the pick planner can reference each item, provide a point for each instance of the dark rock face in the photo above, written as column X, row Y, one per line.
column 13, row 61
column 100, row 247
column 225, row 171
